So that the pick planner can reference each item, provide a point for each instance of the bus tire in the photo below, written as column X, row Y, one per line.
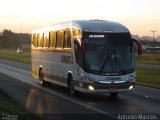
column 41, row 77
column 71, row 90
column 114, row 94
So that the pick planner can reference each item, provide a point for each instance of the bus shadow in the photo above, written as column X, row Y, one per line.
column 98, row 97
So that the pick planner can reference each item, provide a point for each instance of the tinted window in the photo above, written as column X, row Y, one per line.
column 46, row 40
column 67, row 40
column 34, row 40
column 79, row 57
column 52, row 38
column 60, row 37
column 76, row 32
column 121, row 51
column 40, row 40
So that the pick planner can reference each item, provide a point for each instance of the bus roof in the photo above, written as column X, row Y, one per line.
column 99, row 26
column 90, row 26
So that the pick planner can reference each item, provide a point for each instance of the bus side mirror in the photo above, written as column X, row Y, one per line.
column 139, row 46
column 82, row 47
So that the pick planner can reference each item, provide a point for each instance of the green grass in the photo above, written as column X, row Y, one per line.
column 16, row 57
column 14, row 50
column 148, row 77
column 11, row 107
column 148, row 59
column 8, row 50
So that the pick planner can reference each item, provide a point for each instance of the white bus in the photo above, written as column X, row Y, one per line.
column 90, row 56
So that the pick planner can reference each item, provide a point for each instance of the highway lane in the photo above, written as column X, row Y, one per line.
column 19, row 84
column 42, row 100
column 148, row 66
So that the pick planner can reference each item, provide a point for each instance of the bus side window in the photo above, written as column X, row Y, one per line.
column 78, row 55
column 46, row 40
column 40, row 40
column 52, row 38
column 76, row 32
column 34, row 40
column 67, row 39
column 60, row 37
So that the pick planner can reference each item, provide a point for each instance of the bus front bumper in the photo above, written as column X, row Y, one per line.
column 105, row 88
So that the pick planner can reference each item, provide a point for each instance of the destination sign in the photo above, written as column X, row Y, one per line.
column 96, row 36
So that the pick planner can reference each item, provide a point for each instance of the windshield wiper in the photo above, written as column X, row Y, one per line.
column 103, row 65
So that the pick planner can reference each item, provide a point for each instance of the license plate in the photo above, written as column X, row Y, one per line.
column 113, row 88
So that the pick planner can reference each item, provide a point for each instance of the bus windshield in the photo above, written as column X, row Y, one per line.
column 112, row 54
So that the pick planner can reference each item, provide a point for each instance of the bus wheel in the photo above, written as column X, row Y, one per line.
column 114, row 94
column 41, row 77
column 71, row 85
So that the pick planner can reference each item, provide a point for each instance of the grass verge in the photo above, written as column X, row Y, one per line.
column 148, row 59
column 10, row 109
column 148, row 77
column 16, row 57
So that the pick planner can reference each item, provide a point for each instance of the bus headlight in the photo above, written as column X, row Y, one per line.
column 91, row 87
column 130, row 87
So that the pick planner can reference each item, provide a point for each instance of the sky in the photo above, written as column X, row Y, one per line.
column 139, row 16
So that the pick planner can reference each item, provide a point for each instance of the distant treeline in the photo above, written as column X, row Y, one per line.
column 148, row 41
column 9, row 39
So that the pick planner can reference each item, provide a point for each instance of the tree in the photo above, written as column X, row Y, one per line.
column 7, row 36
column 14, row 40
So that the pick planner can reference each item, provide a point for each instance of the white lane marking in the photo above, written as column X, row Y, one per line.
column 64, row 97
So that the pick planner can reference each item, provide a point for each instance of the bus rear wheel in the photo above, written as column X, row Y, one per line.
column 41, row 77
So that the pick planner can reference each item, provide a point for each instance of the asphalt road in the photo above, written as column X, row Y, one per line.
column 54, row 102
column 148, row 66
